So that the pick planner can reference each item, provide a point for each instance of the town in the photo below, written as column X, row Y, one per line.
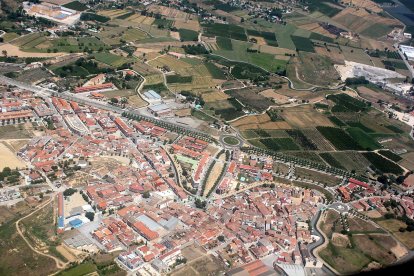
column 206, row 137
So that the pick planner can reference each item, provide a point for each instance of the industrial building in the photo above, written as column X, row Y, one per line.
column 408, row 51
column 160, row 110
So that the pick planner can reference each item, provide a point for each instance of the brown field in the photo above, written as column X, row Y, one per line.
column 13, row 50
column 259, row 121
column 328, row 219
column 304, row 116
column 373, row 249
column 316, row 28
column 183, row 112
column 171, row 13
column 377, row 62
column 260, row 40
column 214, row 96
column 390, row 243
column 189, row 25
column 112, row 13
column 374, row 44
column 9, row 158
column 270, row 93
column 175, row 35
column 334, row 53
column 198, row 263
column 340, row 240
column 137, row 18
column 144, row 69
column 359, row 225
column 393, row 225
column 154, row 79
column 408, row 160
column 215, row 173
column 136, row 101
column 367, row 4
column 359, row 20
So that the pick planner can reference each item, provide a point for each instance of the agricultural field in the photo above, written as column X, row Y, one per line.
column 279, row 144
column 215, row 173
column 304, row 117
column 393, row 225
column 382, row 164
column 188, row 35
column 110, row 59
column 40, row 43
column 239, row 52
column 351, row 253
column 262, row 121
column 251, row 98
column 339, row 138
column 317, row 70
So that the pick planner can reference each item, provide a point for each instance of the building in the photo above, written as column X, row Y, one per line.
column 160, row 110
column 52, row 12
column 408, row 51
column 98, row 87
column 15, row 117
column 61, row 218
column 151, row 95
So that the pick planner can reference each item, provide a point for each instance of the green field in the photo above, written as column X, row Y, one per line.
column 179, row 79
column 303, row 44
column 75, row 5
column 263, row 60
column 224, row 43
column 110, row 59
column 336, row 121
column 383, row 164
column 214, row 71
column 390, row 155
column 363, row 139
column 188, row 35
column 202, row 116
column 339, row 138
column 225, row 30
column 346, row 103
column 231, row 140
column 279, row 144
column 331, row 160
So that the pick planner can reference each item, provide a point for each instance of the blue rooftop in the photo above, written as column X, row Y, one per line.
column 75, row 223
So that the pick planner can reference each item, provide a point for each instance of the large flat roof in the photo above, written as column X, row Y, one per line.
column 159, row 107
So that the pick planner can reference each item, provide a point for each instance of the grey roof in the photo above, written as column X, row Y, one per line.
column 151, row 224
column 159, row 107
column 78, row 241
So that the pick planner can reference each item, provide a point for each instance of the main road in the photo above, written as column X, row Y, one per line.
column 47, row 93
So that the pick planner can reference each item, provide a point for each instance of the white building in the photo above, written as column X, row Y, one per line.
column 408, row 51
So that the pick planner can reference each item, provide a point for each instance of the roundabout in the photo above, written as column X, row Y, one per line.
column 231, row 141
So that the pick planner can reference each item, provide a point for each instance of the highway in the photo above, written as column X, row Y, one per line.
column 47, row 93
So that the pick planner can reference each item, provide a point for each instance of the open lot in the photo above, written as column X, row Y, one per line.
column 393, row 225
column 259, row 122
column 9, row 158
column 304, row 117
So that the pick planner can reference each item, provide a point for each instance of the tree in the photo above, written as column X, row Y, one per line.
column 90, row 215
column 200, row 204
column 220, row 238
column 69, row 192
column 4, row 52
column 146, row 194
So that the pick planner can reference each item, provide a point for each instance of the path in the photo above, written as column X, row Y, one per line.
column 59, row 264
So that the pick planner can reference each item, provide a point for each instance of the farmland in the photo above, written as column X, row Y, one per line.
column 339, row 138
column 350, row 253
column 40, row 43
column 110, row 59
